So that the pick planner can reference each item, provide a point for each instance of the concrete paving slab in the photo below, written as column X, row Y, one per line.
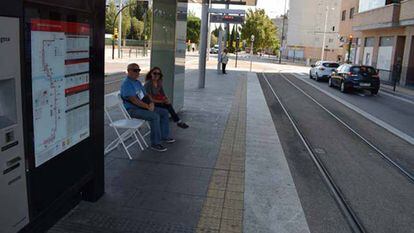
column 270, row 200
column 163, row 192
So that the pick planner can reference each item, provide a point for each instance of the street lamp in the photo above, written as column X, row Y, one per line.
column 251, row 51
column 349, row 48
column 324, row 32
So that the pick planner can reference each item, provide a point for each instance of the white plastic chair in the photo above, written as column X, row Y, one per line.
column 130, row 125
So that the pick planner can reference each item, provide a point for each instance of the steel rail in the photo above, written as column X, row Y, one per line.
column 401, row 169
column 345, row 208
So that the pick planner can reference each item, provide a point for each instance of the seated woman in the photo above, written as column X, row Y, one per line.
column 153, row 88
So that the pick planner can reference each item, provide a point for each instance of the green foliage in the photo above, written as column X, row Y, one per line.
column 193, row 28
column 136, row 20
column 148, row 23
column 261, row 26
column 215, row 32
column 232, row 40
column 110, row 16
column 137, row 29
column 213, row 40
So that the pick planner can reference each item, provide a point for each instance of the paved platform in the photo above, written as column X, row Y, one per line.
column 222, row 175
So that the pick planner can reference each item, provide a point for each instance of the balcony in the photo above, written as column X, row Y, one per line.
column 407, row 16
column 383, row 17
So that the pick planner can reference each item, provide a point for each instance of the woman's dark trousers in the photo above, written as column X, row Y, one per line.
column 171, row 110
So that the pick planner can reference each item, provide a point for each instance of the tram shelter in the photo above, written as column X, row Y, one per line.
column 52, row 102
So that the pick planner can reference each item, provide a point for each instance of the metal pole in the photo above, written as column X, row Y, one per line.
column 251, row 55
column 220, row 51
column 144, row 51
column 113, row 48
column 348, row 60
column 283, row 33
column 209, row 38
column 227, row 25
column 120, row 30
column 237, row 48
column 203, row 43
column 324, row 33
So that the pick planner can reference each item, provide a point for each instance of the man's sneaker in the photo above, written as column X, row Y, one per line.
column 169, row 140
column 159, row 148
column 182, row 125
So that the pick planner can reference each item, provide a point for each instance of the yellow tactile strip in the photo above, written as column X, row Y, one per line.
column 223, row 208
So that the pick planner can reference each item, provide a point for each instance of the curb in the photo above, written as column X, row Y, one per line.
column 396, row 93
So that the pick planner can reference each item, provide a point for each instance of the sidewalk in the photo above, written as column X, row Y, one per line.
column 222, row 174
column 402, row 92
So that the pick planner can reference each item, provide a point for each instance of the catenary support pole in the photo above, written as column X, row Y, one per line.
column 324, row 33
column 227, row 29
column 220, row 50
column 203, row 44
column 283, row 34
column 209, row 38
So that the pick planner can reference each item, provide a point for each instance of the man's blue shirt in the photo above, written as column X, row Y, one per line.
column 130, row 88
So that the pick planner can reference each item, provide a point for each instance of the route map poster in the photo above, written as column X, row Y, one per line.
column 60, row 86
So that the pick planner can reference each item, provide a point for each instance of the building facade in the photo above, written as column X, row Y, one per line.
column 307, row 35
column 348, row 38
column 282, row 29
column 383, row 36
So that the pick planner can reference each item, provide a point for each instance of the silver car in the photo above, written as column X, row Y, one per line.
column 214, row 49
column 322, row 70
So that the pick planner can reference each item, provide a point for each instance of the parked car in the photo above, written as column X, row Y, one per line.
column 350, row 77
column 322, row 70
column 214, row 49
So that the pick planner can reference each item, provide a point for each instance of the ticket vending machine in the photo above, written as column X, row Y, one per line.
column 13, row 190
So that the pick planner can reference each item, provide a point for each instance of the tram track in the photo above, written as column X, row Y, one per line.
column 387, row 158
column 336, row 189
column 346, row 210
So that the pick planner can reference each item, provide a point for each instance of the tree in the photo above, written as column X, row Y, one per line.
column 137, row 29
column 214, row 40
column 261, row 26
column 232, row 39
column 126, row 23
column 110, row 16
column 132, row 19
column 148, row 24
column 193, row 28
column 215, row 32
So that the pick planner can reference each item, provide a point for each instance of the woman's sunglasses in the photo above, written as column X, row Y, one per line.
column 156, row 73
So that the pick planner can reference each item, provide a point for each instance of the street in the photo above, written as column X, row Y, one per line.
column 366, row 161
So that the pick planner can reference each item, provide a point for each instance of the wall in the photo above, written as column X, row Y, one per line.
column 306, row 22
column 365, row 5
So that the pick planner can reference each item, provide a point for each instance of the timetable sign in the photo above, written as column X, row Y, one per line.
column 236, row 19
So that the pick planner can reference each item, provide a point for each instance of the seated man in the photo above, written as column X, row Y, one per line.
column 140, row 106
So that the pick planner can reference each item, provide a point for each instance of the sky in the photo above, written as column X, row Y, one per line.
column 273, row 8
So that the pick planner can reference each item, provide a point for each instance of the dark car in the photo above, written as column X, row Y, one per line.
column 355, row 77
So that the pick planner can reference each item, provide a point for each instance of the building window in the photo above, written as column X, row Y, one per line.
column 386, row 41
column 343, row 15
column 369, row 42
column 351, row 13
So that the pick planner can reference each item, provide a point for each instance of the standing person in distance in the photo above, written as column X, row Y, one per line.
column 153, row 87
column 224, row 61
